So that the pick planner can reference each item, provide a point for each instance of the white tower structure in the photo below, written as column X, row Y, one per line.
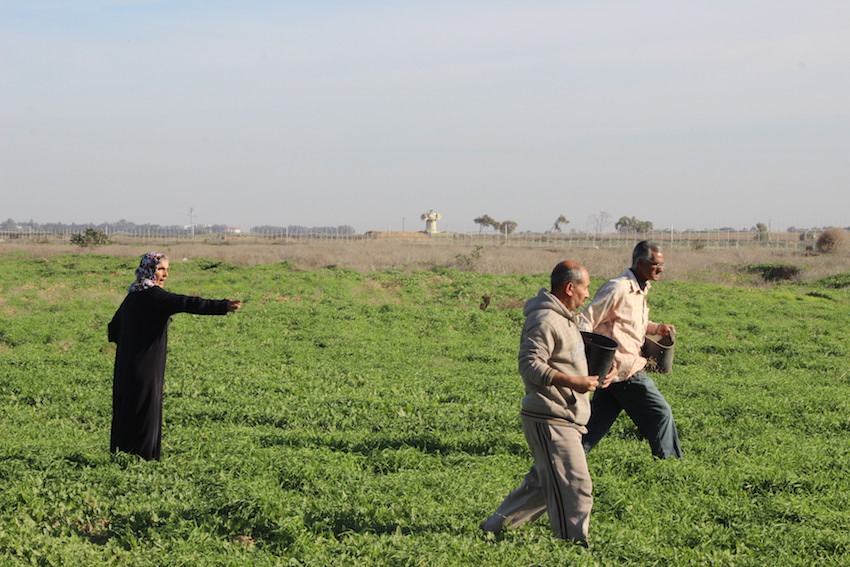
column 431, row 219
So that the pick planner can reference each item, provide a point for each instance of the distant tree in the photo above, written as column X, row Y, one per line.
column 90, row 237
column 558, row 222
column 762, row 232
column 507, row 227
column 9, row 224
column 600, row 221
column 631, row 224
column 267, row 229
column 486, row 221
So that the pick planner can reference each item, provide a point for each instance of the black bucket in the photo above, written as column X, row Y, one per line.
column 599, row 351
column 658, row 352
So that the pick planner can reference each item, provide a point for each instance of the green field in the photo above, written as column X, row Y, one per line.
column 343, row 418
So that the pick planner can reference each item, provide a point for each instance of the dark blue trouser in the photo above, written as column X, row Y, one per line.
column 648, row 409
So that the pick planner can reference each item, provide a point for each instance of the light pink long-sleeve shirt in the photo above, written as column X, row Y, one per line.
column 619, row 311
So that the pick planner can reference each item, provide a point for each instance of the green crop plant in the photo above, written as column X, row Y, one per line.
column 346, row 418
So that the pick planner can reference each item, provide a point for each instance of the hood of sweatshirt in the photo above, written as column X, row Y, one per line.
column 545, row 300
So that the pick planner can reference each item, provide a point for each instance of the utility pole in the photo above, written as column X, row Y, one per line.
column 192, row 222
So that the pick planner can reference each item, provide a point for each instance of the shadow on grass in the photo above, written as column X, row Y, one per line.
column 237, row 520
column 427, row 443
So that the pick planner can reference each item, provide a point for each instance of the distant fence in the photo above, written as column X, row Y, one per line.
column 692, row 239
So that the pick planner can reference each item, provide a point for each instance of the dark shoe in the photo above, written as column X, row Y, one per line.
column 493, row 524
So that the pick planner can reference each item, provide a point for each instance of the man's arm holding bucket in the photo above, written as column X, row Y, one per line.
column 662, row 329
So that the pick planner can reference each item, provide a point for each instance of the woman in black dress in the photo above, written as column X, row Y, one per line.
column 140, row 329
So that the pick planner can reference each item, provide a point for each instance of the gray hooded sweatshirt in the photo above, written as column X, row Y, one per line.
column 551, row 341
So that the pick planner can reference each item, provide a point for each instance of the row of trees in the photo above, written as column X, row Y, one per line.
column 122, row 225
column 299, row 229
column 125, row 226
column 509, row 226
column 624, row 225
column 630, row 225
column 486, row 221
column 596, row 223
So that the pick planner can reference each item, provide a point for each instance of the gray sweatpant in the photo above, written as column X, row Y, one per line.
column 558, row 483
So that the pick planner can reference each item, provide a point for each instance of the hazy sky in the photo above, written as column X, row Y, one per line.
column 369, row 113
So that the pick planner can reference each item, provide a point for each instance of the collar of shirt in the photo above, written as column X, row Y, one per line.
column 636, row 287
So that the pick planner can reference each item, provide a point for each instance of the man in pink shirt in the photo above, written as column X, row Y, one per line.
column 619, row 311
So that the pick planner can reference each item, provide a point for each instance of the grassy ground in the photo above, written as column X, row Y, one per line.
column 370, row 417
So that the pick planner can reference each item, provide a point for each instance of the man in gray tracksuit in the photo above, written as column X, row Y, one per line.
column 554, row 413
